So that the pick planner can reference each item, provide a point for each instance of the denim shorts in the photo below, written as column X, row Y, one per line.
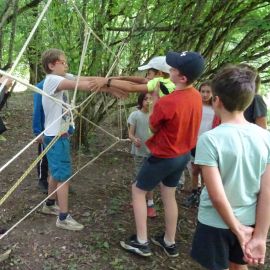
column 214, row 248
column 59, row 159
column 166, row 170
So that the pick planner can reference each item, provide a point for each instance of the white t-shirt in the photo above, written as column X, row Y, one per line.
column 207, row 119
column 54, row 110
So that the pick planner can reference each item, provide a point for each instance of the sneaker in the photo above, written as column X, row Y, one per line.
column 191, row 201
column 151, row 211
column 134, row 246
column 171, row 251
column 69, row 224
column 50, row 210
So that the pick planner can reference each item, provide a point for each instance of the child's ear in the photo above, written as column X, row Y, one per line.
column 183, row 79
column 51, row 66
column 217, row 102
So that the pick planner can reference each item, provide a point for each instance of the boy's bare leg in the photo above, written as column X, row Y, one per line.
column 234, row 266
column 62, row 195
column 52, row 185
column 140, row 211
column 170, row 210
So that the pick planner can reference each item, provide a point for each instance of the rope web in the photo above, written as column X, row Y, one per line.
column 72, row 108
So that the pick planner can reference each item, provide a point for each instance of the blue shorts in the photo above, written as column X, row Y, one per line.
column 166, row 170
column 59, row 159
column 214, row 248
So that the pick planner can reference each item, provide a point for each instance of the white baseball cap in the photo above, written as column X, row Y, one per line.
column 158, row 63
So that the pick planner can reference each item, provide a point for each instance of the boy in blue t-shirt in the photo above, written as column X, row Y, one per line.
column 38, row 120
column 234, row 211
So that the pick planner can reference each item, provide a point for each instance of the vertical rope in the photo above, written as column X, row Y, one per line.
column 27, row 41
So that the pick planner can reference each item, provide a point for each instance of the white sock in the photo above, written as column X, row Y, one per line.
column 168, row 243
column 150, row 202
column 141, row 241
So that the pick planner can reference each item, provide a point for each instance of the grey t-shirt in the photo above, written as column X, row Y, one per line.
column 140, row 121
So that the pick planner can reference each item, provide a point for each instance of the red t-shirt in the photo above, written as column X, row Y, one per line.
column 177, row 118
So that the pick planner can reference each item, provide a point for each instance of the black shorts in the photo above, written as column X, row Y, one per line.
column 166, row 170
column 214, row 248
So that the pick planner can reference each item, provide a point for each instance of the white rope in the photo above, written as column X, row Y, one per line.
column 108, row 73
column 85, row 46
column 28, row 40
column 69, row 107
column 38, row 205
column 31, row 142
column 89, row 27
column 34, row 88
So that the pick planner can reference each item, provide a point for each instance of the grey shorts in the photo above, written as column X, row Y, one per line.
column 166, row 170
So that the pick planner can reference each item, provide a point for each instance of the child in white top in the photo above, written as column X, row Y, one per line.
column 206, row 124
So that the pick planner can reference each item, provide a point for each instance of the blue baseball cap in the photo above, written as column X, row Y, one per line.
column 190, row 64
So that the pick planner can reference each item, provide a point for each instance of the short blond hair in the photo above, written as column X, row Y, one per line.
column 50, row 57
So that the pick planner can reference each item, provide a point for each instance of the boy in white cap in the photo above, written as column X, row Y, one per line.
column 157, row 79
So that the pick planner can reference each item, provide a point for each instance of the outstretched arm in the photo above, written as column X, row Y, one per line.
column 86, row 85
column 256, row 247
column 98, row 83
column 134, row 79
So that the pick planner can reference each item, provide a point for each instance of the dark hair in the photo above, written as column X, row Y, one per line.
column 258, row 78
column 49, row 57
column 206, row 83
column 235, row 86
column 164, row 74
column 140, row 100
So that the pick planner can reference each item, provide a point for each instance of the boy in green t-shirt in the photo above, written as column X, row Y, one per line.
column 234, row 210
column 157, row 80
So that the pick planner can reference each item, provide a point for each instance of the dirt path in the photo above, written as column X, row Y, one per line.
column 100, row 200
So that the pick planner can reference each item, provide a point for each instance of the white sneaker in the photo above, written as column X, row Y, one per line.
column 69, row 224
column 50, row 210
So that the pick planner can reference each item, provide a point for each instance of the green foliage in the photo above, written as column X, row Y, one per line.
column 223, row 31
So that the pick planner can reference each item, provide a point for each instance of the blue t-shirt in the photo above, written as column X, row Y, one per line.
column 241, row 153
column 38, row 118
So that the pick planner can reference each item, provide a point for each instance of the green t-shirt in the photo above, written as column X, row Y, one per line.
column 151, row 85
column 241, row 152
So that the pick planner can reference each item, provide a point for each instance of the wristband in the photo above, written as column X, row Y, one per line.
column 109, row 82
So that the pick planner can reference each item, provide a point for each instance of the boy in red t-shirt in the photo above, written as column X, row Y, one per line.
column 175, row 122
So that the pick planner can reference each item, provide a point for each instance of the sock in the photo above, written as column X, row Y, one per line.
column 150, row 203
column 63, row 216
column 141, row 241
column 50, row 202
column 168, row 243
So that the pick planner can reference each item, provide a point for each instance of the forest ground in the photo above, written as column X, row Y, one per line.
column 100, row 200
